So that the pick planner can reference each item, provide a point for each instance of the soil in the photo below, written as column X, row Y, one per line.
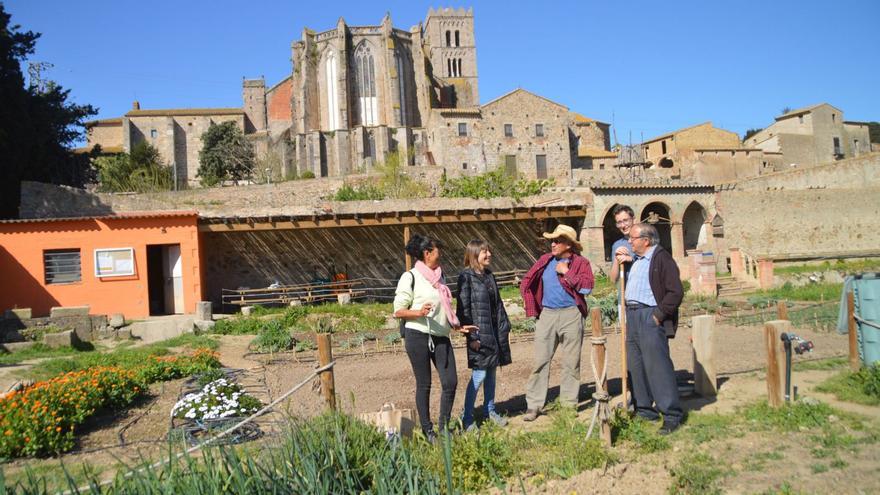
column 367, row 379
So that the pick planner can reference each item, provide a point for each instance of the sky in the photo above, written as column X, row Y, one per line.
column 648, row 67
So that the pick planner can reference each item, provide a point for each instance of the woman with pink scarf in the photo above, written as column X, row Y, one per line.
column 425, row 302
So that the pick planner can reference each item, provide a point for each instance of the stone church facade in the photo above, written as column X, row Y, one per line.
column 357, row 94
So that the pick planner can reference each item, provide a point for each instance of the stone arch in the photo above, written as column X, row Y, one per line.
column 610, row 233
column 693, row 222
column 666, row 163
column 659, row 215
column 365, row 83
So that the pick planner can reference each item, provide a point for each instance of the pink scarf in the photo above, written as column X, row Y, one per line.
column 435, row 278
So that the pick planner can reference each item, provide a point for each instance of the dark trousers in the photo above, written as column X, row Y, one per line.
column 421, row 357
column 653, row 376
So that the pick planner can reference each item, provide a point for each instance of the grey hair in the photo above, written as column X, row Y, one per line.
column 649, row 232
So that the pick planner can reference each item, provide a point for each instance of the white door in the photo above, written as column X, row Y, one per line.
column 172, row 270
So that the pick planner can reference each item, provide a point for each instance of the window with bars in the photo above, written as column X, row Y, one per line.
column 62, row 266
column 508, row 130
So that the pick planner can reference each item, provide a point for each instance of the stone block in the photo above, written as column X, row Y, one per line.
column 123, row 334
column 18, row 314
column 204, row 311
column 17, row 346
column 204, row 325
column 62, row 311
column 66, row 338
column 344, row 298
column 247, row 310
column 117, row 320
column 295, row 302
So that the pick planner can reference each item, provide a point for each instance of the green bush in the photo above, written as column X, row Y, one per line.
column 238, row 325
column 272, row 337
column 308, row 174
column 478, row 459
column 359, row 192
column 696, row 473
column 140, row 171
column 642, row 433
column 493, row 184
column 607, row 306
column 226, row 154
column 561, row 451
column 862, row 387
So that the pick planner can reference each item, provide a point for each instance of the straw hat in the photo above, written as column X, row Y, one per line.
column 567, row 232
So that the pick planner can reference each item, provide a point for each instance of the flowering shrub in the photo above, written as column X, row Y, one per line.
column 218, row 399
column 42, row 418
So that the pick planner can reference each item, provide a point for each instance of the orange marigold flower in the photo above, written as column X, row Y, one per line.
column 58, row 428
column 8, row 432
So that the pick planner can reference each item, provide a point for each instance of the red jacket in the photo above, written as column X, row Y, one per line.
column 579, row 276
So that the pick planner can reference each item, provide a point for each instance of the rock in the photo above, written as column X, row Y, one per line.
column 117, row 320
column 204, row 311
column 247, row 310
column 18, row 314
column 296, row 302
column 66, row 338
column 204, row 325
column 810, row 401
column 344, row 298
column 17, row 346
column 514, row 309
column 61, row 311
column 123, row 334
column 833, row 277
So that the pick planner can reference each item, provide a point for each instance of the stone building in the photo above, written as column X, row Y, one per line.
column 359, row 93
column 813, row 135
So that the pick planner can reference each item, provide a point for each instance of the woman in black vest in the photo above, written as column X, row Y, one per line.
column 479, row 304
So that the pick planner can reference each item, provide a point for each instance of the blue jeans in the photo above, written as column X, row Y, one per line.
column 479, row 377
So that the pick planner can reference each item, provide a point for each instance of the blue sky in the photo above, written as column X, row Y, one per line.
column 649, row 66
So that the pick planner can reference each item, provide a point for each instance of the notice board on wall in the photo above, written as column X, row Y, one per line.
column 115, row 262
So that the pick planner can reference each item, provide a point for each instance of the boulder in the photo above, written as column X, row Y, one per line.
column 117, row 320
column 62, row 311
column 296, row 302
column 66, row 338
column 123, row 334
column 17, row 346
column 247, row 310
column 204, row 325
column 344, row 298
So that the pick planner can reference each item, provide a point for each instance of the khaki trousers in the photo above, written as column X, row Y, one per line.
column 563, row 328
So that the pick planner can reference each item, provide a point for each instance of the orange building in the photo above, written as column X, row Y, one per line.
column 137, row 264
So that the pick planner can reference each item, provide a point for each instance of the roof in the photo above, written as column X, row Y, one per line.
column 654, row 186
column 115, row 216
column 172, row 112
column 474, row 111
column 670, row 134
column 855, row 122
column 105, row 122
column 728, row 149
column 801, row 111
column 581, row 119
column 586, row 151
column 520, row 90
column 279, row 83
column 104, row 149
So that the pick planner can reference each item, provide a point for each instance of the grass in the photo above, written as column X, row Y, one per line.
column 638, row 432
column 42, row 351
column 697, row 473
column 344, row 318
column 812, row 292
column 758, row 462
column 821, row 364
column 861, row 387
column 838, row 265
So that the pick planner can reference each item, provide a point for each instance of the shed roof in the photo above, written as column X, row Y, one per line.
column 114, row 216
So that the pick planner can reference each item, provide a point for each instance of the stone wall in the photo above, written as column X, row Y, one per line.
column 850, row 173
column 790, row 223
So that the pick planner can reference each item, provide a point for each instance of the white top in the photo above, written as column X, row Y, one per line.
column 414, row 296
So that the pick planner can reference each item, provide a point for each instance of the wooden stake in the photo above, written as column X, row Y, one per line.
column 855, row 363
column 781, row 310
column 775, row 360
column 705, row 378
column 325, row 356
column 405, row 242
column 601, row 381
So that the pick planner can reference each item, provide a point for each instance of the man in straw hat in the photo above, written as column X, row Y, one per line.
column 553, row 292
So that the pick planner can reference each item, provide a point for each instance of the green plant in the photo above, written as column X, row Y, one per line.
column 696, row 473
column 607, row 306
column 862, row 387
column 638, row 431
column 477, row 459
column 308, row 174
column 272, row 337
column 40, row 350
column 304, row 345
column 239, row 325
column 359, row 192
column 561, row 451
column 209, row 376
column 140, row 171
column 392, row 338
column 791, row 416
column 494, row 184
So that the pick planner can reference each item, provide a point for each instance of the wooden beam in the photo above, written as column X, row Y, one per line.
column 775, row 359
column 407, row 257
column 325, row 356
column 855, row 362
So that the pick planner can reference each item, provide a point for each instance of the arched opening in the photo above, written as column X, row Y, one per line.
column 657, row 214
column 694, row 226
column 448, row 38
column 330, row 75
column 459, row 69
column 365, row 77
column 610, row 232
column 457, row 39
column 666, row 163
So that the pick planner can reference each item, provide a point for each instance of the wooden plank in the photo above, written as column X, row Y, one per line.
column 601, row 381
column 775, row 360
column 407, row 257
column 855, row 363
column 325, row 356
column 705, row 376
column 781, row 310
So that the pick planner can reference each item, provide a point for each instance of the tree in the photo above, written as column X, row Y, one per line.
column 38, row 126
column 751, row 132
column 874, row 131
column 140, row 171
column 226, row 155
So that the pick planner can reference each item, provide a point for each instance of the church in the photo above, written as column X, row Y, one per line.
column 357, row 94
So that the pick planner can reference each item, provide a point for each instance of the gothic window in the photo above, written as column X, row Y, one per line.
column 459, row 68
column 330, row 72
column 401, row 80
column 365, row 77
column 457, row 38
column 448, row 67
column 448, row 40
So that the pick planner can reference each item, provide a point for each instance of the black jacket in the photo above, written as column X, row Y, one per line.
column 479, row 303
column 667, row 289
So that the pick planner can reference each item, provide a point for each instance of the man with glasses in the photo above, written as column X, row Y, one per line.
column 621, row 250
column 553, row 292
column 653, row 295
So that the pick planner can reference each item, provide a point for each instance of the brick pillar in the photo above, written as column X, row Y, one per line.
column 689, row 268
column 677, row 234
column 705, row 271
column 736, row 263
column 765, row 273
column 594, row 247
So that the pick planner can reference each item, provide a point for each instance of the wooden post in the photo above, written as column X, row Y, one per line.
column 855, row 363
column 325, row 356
column 775, row 360
column 705, row 377
column 781, row 310
column 405, row 242
column 601, row 381
column 624, row 371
